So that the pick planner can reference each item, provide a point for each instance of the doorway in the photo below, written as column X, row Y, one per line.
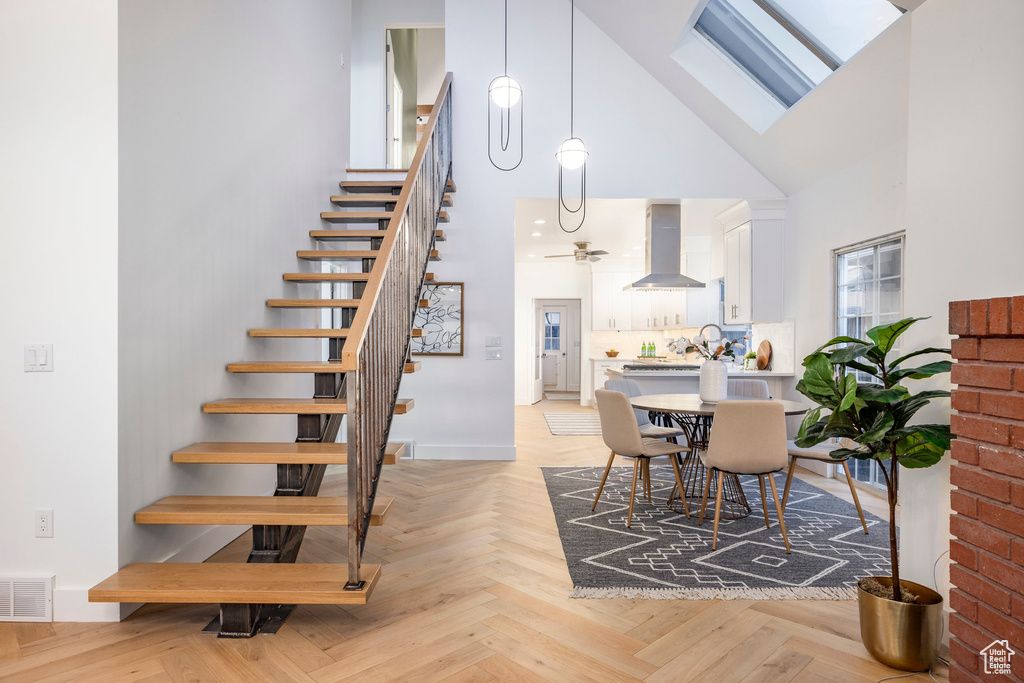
column 556, row 367
column 414, row 70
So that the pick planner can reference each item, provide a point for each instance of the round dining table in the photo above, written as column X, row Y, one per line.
column 695, row 417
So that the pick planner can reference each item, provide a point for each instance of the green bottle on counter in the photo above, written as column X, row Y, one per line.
column 654, row 351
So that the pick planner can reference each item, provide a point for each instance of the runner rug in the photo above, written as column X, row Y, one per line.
column 664, row 555
column 573, row 424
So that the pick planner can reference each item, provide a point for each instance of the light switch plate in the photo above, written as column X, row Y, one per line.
column 493, row 354
column 39, row 358
column 492, row 340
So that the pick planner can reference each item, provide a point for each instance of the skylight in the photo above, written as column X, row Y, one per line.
column 787, row 47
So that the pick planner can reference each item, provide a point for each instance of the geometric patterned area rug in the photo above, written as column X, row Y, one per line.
column 664, row 555
column 574, row 424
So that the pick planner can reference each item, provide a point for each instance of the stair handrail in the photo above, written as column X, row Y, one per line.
column 377, row 346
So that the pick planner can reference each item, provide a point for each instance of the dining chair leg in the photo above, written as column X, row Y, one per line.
column 789, row 481
column 603, row 480
column 632, row 492
column 704, row 499
column 778, row 511
column 718, row 511
column 853, row 492
column 764, row 500
column 679, row 484
column 647, row 478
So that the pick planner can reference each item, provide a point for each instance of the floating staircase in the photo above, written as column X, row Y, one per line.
column 354, row 388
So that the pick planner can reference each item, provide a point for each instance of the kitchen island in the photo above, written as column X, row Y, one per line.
column 682, row 378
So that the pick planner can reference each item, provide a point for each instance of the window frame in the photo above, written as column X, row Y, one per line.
column 877, row 484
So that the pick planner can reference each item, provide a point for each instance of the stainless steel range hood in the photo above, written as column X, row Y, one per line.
column 663, row 252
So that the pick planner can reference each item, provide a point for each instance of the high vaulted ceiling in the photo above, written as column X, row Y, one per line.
column 859, row 109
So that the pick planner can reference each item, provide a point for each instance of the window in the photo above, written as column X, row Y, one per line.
column 868, row 292
column 552, row 329
column 788, row 47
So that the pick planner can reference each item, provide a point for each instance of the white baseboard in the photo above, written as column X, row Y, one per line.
column 422, row 452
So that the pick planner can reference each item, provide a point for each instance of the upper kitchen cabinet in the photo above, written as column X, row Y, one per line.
column 754, row 271
column 611, row 308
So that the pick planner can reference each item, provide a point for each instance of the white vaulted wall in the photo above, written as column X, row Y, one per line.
column 58, row 278
column 234, row 134
column 642, row 142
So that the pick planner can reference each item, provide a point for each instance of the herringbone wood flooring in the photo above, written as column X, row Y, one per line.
column 474, row 589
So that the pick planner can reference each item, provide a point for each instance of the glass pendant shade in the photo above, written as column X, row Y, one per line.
column 505, row 91
column 572, row 154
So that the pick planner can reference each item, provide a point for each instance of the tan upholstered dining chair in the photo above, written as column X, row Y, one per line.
column 648, row 429
column 747, row 437
column 621, row 434
column 821, row 454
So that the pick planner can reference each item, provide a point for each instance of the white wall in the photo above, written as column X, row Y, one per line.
column 369, row 18
column 946, row 183
column 643, row 143
column 965, row 161
column 58, row 278
column 234, row 126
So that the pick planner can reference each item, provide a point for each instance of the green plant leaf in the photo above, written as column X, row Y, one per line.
column 813, row 435
column 849, row 392
column 914, row 451
column 843, row 453
column 885, row 336
column 863, row 367
column 937, row 435
column 849, row 353
column 919, row 352
column 874, row 393
column 878, row 429
column 810, row 418
column 929, row 370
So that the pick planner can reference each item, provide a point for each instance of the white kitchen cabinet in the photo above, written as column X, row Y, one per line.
column 610, row 306
column 754, row 273
column 640, row 306
column 600, row 368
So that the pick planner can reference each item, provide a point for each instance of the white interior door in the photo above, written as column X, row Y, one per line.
column 537, row 375
column 554, row 346
column 392, row 109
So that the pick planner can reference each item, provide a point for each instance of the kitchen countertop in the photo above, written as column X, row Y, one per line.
column 739, row 372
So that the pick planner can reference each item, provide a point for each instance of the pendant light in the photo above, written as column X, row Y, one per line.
column 504, row 94
column 572, row 154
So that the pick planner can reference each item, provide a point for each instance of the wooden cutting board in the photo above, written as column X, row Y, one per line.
column 764, row 354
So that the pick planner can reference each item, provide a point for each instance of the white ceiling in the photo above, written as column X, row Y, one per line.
column 856, row 111
column 615, row 225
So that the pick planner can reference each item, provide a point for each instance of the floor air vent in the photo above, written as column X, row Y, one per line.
column 26, row 599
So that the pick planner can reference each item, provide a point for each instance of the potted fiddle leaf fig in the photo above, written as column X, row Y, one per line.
column 900, row 621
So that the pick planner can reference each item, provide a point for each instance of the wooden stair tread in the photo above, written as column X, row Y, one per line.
column 312, row 303
column 217, row 582
column 254, row 510
column 439, row 236
column 447, row 200
column 442, row 217
column 293, row 366
column 413, row 366
column 299, row 333
column 364, row 199
column 428, row 277
column 371, row 186
column 355, row 216
column 273, row 453
column 377, row 170
column 313, row 333
column 342, row 235
column 289, row 406
column 331, row 255
column 435, row 255
column 326, row 277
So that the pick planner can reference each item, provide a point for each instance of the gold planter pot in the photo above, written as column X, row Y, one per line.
column 899, row 634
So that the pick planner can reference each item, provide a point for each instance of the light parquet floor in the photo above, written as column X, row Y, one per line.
column 474, row 589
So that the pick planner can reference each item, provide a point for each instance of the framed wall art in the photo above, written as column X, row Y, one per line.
column 440, row 320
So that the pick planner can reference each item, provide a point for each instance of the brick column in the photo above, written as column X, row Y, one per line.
column 987, row 551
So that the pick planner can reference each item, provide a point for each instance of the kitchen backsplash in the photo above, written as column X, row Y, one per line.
column 781, row 335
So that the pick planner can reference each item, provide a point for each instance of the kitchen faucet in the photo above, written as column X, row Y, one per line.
column 720, row 333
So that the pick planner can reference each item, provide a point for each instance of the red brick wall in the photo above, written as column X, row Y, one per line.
column 987, row 551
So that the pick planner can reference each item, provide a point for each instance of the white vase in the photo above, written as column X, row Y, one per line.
column 714, row 381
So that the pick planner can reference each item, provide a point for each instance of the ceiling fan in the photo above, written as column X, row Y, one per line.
column 582, row 254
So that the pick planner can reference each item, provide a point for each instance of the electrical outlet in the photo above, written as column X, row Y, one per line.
column 492, row 340
column 44, row 523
